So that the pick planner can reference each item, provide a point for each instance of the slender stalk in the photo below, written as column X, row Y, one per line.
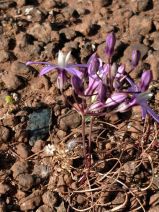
column 83, row 137
column 90, row 142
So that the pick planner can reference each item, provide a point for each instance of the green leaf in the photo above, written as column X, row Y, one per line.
column 87, row 119
column 9, row 99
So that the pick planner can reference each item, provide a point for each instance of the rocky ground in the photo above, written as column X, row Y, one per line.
column 40, row 136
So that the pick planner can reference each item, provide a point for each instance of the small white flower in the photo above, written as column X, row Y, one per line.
column 15, row 96
column 49, row 150
column 63, row 59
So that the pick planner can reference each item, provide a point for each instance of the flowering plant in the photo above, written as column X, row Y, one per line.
column 98, row 87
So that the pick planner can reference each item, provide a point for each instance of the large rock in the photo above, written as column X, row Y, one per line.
column 12, row 82
column 38, row 124
column 42, row 32
column 19, row 168
column 4, row 134
column 140, row 24
column 25, row 181
column 140, row 5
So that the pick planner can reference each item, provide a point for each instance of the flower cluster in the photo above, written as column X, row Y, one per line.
column 100, row 87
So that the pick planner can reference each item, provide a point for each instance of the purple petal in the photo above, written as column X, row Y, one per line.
column 93, row 64
column 105, row 72
column 91, row 58
column 46, row 69
column 120, row 72
column 110, row 43
column 93, row 84
column 150, row 111
column 152, row 114
column 115, row 99
column 134, row 87
column 96, row 107
column 125, row 106
column 77, row 85
column 74, row 71
column 135, row 58
column 143, row 112
column 102, row 92
column 146, row 78
column 39, row 63
column 61, row 80
column 77, row 65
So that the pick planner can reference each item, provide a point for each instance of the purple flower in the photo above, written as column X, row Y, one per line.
column 94, row 65
column 104, row 88
column 97, row 86
column 77, row 85
column 62, row 68
column 114, row 100
column 140, row 96
column 118, row 76
column 110, row 43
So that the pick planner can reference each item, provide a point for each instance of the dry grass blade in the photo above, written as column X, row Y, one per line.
column 131, row 192
column 117, row 208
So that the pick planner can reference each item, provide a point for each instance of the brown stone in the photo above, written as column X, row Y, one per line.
column 49, row 198
column 22, row 150
column 11, row 81
column 30, row 202
column 4, row 188
column 25, row 181
column 140, row 24
column 19, row 168
column 5, row 133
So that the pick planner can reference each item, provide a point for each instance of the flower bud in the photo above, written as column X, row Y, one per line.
column 77, row 85
column 94, row 63
column 135, row 58
column 96, row 107
column 146, row 78
column 115, row 99
column 102, row 92
column 120, row 72
column 123, row 107
column 110, row 43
